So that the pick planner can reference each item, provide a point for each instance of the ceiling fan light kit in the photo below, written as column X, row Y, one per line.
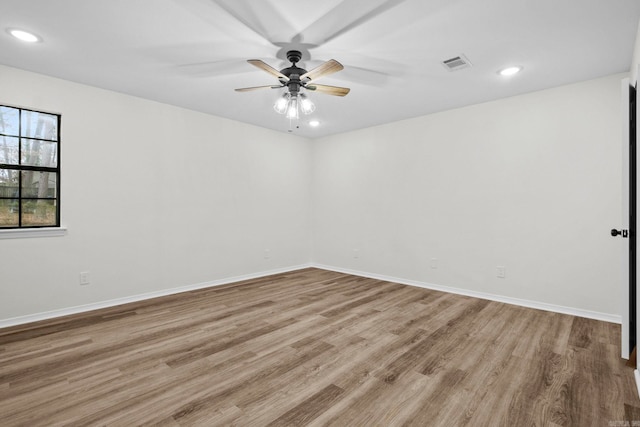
column 294, row 79
column 306, row 105
column 292, row 108
column 281, row 103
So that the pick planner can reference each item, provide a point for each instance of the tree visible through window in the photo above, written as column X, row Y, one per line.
column 29, row 168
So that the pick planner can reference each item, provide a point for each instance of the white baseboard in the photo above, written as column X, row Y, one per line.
column 4, row 323
column 611, row 318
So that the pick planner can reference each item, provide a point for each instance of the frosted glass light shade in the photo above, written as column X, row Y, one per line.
column 306, row 105
column 292, row 109
column 281, row 104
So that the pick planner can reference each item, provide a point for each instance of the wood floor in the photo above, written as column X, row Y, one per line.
column 314, row 347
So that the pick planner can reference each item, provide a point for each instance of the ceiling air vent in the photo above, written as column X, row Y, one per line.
column 457, row 63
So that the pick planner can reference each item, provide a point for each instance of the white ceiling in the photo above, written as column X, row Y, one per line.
column 192, row 53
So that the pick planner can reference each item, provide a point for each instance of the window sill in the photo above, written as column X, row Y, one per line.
column 21, row 233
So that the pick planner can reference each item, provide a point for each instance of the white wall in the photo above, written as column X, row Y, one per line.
column 157, row 197
column 531, row 183
column 154, row 197
column 635, row 61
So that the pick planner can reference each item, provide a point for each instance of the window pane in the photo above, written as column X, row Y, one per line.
column 38, row 212
column 8, row 183
column 38, row 184
column 9, row 121
column 8, row 213
column 39, row 125
column 9, row 150
column 39, row 153
column 28, row 140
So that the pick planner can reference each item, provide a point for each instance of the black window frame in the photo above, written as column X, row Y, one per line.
column 20, row 168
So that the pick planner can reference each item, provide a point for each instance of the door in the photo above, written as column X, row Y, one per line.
column 627, row 225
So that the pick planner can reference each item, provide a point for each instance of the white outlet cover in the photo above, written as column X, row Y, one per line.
column 84, row 278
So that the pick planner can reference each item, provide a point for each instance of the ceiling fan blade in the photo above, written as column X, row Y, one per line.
column 248, row 89
column 344, row 17
column 268, row 68
column 379, row 72
column 262, row 17
column 329, row 67
column 214, row 68
column 329, row 90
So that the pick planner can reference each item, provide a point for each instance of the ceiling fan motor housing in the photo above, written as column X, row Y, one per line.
column 293, row 73
column 294, row 56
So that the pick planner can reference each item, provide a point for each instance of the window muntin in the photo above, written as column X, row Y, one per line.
column 29, row 168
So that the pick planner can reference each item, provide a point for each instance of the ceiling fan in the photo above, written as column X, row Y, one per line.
column 294, row 79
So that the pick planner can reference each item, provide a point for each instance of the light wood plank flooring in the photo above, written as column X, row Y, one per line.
column 314, row 347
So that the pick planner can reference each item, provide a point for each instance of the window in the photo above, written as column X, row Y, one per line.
column 29, row 168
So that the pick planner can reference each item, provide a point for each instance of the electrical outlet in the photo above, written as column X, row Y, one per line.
column 501, row 271
column 434, row 262
column 356, row 253
column 267, row 254
column 84, row 278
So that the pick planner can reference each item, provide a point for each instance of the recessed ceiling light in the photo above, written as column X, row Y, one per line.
column 509, row 71
column 314, row 123
column 25, row 36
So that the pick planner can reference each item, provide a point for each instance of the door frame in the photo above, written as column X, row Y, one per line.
column 630, row 319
